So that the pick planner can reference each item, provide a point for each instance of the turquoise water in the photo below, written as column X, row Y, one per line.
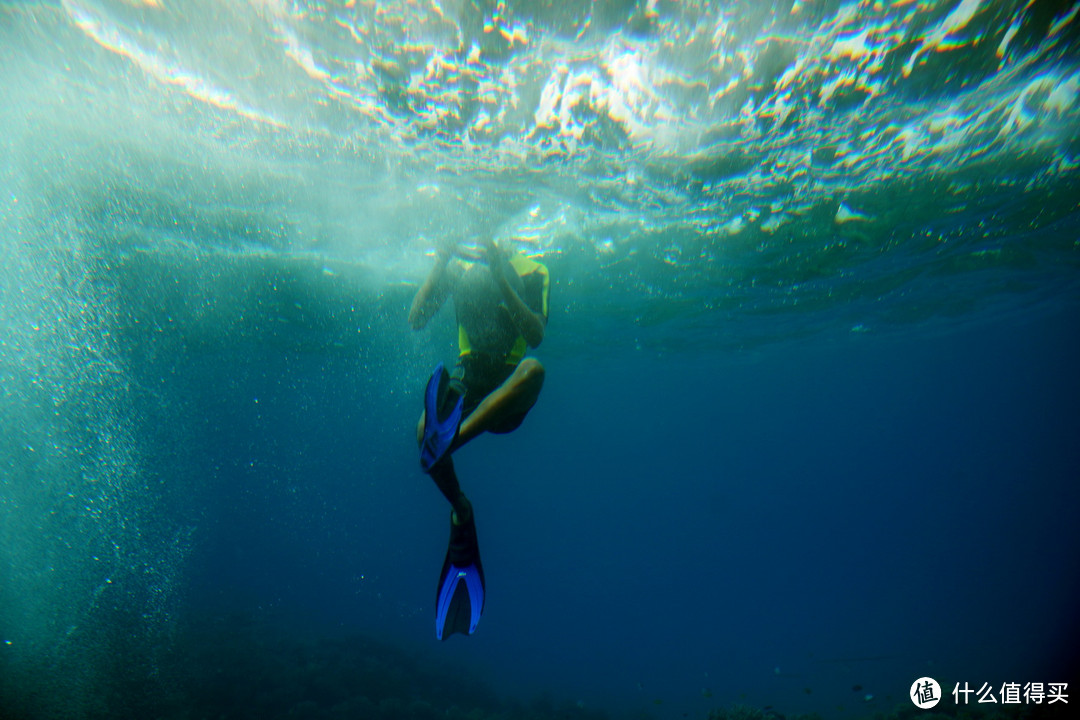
column 814, row 267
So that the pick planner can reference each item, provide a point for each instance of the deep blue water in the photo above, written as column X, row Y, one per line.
column 773, row 528
column 829, row 513
column 809, row 427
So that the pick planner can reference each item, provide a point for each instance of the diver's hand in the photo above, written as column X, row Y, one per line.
column 469, row 254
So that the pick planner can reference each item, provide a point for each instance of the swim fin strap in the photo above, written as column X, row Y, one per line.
column 443, row 404
column 460, row 598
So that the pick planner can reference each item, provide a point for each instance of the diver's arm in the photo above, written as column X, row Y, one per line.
column 433, row 293
column 528, row 322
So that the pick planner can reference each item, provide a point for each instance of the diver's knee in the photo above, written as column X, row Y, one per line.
column 531, row 372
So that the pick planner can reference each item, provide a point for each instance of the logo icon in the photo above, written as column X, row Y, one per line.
column 925, row 693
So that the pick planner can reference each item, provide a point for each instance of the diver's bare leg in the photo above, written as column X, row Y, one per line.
column 515, row 396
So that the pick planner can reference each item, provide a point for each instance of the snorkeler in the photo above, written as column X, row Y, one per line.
column 501, row 302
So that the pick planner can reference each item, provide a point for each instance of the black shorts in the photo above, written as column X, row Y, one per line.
column 481, row 375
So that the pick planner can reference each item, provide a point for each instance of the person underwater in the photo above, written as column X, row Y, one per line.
column 501, row 303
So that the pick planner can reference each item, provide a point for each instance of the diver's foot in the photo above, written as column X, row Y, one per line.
column 443, row 401
column 460, row 595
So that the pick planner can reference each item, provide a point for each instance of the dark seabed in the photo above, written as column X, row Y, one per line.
column 809, row 429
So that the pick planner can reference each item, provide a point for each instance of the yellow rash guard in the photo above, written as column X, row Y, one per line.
column 496, row 334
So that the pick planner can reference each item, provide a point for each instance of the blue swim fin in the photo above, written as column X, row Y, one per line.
column 443, row 403
column 460, row 599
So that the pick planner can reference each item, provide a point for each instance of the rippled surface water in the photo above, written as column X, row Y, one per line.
column 853, row 164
